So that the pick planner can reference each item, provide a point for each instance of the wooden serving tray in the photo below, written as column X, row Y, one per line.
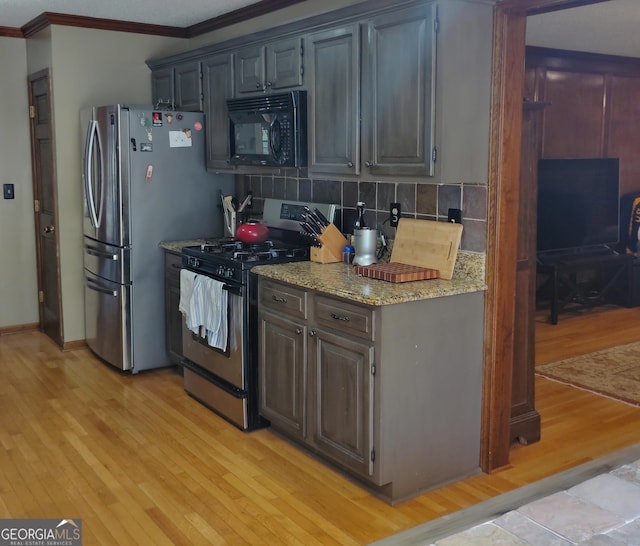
column 396, row 272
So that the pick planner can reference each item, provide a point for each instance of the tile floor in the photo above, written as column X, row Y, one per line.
column 596, row 504
column 604, row 510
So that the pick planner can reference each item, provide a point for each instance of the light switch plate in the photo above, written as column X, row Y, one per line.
column 7, row 191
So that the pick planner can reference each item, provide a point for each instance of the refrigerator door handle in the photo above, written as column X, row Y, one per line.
column 93, row 140
column 99, row 253
column 93, row 285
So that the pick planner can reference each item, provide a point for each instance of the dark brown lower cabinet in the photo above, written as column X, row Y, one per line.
column 173, row 317
column 342, row 371
column 389, row 394
column 283, row 349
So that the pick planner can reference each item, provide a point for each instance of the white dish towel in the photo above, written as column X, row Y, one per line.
column 215, row 313
column 187, row 279
column 204, row 304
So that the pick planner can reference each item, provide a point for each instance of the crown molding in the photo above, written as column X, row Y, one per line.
column 48, row 18
column 11, row 32
column 237, row 16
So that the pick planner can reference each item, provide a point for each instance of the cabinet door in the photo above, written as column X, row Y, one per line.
column 162, row 87
column 284, row 64
column 397, row 85
column 343, row 400
column 173, row 317
column 250, row 69
column 217, row 74
column 333, row 60
column 282, row 373
column 188, row 87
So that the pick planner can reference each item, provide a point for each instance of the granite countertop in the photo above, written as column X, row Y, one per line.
column 176, row 246
column 339, row 279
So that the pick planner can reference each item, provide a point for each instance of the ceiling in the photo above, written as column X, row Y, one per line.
column 609, row 27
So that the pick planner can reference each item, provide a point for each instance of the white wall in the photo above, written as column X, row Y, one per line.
column 18, row 278
column 90, row 67
column 87, row 67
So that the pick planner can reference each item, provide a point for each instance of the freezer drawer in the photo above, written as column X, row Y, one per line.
column 107, row 261
column 107, row 320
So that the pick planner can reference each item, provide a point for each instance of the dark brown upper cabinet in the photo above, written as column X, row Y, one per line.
column 276, row 65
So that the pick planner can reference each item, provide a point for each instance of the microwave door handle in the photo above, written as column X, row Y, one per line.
column 275, row 142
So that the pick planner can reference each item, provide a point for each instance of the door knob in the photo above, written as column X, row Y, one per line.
column 49, row 229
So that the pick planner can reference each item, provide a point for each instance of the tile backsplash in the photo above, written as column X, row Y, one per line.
column 422, row 201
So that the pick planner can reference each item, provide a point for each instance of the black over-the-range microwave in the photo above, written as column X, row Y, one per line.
column 269, row 130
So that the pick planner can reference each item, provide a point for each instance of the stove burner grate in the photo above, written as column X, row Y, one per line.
column 252, row 252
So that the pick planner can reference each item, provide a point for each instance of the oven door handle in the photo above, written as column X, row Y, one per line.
column 233, row 289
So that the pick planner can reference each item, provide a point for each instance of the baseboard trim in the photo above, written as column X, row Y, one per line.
column 18, row 328
column 72, row 345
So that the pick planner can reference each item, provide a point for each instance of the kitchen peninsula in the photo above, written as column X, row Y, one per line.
column 382, row 380
column 341, row 281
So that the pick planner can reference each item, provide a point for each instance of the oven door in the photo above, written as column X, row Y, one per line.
column 226, row 365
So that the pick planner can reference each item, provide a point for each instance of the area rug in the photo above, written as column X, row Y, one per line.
column 614, row 372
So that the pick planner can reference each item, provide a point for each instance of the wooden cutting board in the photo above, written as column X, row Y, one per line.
column 429, row 244
column 395, row 272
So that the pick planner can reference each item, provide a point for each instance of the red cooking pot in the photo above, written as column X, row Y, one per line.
column 252, row 232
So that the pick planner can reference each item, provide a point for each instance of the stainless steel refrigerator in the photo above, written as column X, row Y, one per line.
column 144, row 181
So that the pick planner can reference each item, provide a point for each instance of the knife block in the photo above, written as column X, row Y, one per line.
column 332, row 244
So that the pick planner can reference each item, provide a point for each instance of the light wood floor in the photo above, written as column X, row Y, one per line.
column 142, row 463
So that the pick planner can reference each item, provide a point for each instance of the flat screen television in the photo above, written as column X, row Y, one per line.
column 578, row 203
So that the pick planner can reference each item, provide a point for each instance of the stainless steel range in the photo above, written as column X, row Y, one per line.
column 225, row 378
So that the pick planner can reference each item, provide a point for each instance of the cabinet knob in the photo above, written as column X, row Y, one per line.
column 258, row 85
column 312, row 333
column 369, row 164
column 350, row 164
column 269, row 84
column 298, row 331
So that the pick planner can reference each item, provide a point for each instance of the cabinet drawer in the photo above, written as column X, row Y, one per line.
column 350, row 319
column 283, row 298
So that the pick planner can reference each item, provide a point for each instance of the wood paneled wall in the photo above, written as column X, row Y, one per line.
column 594, row 107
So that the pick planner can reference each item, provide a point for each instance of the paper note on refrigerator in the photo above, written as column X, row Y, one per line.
column 180, row 139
